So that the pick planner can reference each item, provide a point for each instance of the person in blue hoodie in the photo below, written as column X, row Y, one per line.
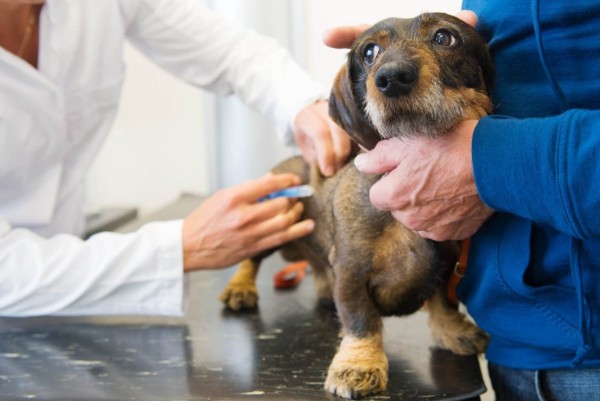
column 525, row 184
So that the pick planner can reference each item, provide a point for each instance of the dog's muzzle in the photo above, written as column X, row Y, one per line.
column 397, row 78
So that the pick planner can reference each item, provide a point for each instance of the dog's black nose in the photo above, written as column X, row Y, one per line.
column 397, row 79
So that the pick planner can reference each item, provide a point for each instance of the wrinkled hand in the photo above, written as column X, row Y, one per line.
column 428, row 183
column 232, row 225
column 320, row 138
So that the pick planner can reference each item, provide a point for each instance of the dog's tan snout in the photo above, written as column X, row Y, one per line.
column 397, row 78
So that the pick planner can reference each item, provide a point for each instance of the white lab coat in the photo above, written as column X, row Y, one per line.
column 54, row 120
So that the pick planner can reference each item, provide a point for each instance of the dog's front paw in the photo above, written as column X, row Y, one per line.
column 238, row 296
column 359, row 368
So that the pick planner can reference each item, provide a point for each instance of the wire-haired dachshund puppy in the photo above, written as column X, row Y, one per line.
column 418, row 76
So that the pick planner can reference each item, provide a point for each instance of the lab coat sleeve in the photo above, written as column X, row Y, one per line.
column 109, row 274
column 196, row 45
column 542, row 169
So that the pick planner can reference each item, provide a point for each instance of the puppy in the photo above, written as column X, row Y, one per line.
column 403, row 77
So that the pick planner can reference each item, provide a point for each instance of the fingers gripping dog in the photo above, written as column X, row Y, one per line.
column 403, row 77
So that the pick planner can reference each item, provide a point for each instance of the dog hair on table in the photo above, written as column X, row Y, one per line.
column 403, row 77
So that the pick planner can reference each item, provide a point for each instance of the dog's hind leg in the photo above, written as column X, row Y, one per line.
column 241, row 290
column 451, row 329
column 323, row 278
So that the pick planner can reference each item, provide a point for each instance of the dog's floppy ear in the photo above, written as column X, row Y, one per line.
column 344, row 110
column 487, row 69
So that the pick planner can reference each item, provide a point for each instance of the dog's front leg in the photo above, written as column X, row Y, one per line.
column 360, row 366
column 241, row 290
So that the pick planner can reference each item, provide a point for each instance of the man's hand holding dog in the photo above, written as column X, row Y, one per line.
column 320, row 139
column 233, row 224
column 427, row 184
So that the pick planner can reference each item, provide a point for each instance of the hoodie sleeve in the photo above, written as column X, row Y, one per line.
column 543, row 169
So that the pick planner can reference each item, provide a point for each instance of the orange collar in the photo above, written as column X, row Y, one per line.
column 460, row 268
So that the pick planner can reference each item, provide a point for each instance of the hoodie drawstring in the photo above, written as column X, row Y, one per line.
column 535, row 17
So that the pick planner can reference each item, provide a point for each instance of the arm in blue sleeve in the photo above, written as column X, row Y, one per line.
column 543, row 169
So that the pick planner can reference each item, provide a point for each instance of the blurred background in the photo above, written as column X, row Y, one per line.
column 182, row 139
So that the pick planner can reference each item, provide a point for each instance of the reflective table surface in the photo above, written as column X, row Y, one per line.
column 280, row 351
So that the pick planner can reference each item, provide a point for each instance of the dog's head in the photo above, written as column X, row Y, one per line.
column 417, row 76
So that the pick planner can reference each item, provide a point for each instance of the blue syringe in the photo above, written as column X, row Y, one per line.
column 299, row 191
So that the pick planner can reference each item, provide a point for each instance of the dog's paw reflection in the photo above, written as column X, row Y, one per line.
column 359, row 368
column 239, row 296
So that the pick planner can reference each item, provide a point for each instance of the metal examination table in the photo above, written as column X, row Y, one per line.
column 281, row 351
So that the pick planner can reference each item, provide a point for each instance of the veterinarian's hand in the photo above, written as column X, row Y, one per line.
column 342, row 37
column 233, row 225
column 321, row 139
column 428, row 184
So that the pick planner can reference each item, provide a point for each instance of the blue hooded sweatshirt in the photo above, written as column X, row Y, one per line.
column 533, row 277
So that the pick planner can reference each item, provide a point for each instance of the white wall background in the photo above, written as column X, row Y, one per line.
column 179, row 139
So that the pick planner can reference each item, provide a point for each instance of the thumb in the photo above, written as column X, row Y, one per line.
column 383, row 158
column 342, row 37
column 468, row 16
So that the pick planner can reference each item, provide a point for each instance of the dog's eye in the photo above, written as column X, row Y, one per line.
column 371, row 52
column 444, row 37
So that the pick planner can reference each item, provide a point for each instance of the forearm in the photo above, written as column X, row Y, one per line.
column 542, row 169
column 203, row 49
column 137, row 273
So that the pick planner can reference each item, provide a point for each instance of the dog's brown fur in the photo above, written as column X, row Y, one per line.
column 417, row 85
